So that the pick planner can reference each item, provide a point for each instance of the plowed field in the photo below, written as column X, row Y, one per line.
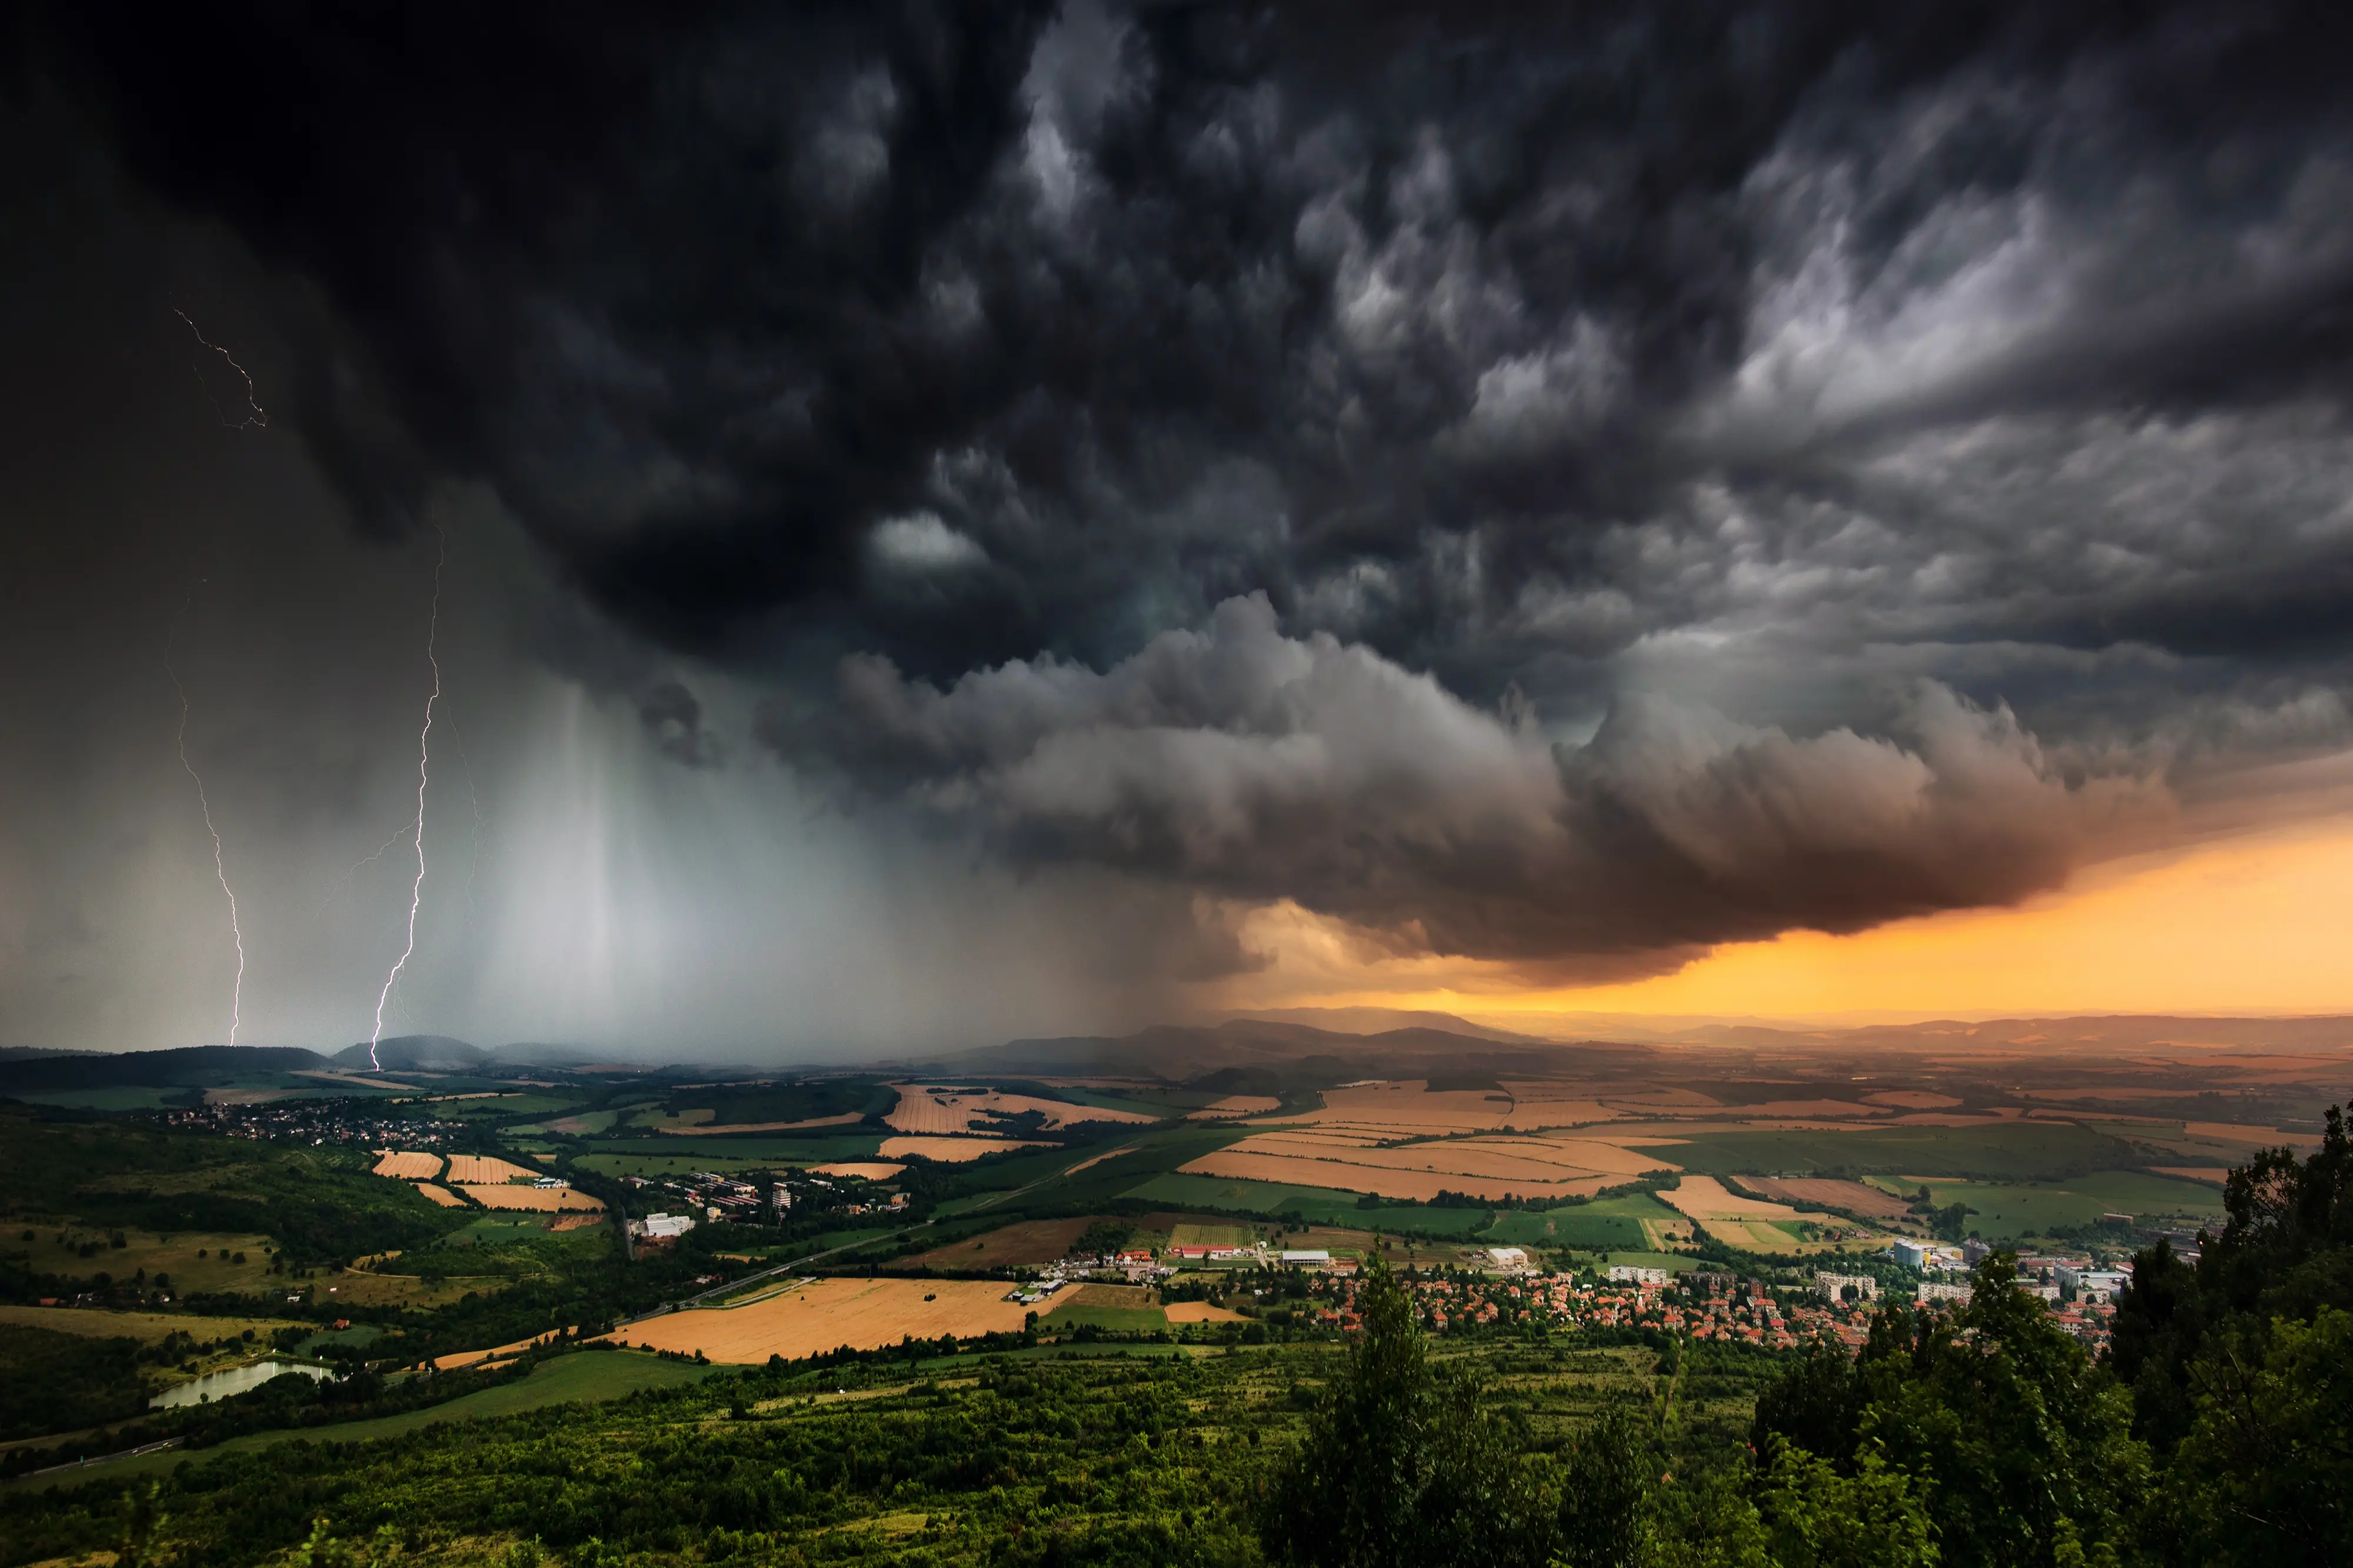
column 1852, row 1196
column 827, row 1314
column 543, row 1200
column 1201, row 1312
column 487, row 1168
column 1029, row 1241
column 1297, row 1170
column 1238, row 1105
column 1481, row 1167
column 947, row 1110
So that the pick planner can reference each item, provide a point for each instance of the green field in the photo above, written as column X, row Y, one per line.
column 660, row 1160
column 1320, row 1205
column 509, row 1105
column 106, row 1098
column 2008, row 1211
column 771, row 1148
column 1126, row 1320
column 587, row 1375
column 1597, row 1226
column 493, row 1229
column 591, row 1123
column 2016, row 1151
column 1150, row 1102
column 1673, row 1262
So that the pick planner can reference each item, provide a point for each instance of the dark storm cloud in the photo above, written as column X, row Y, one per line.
column 672, row 716
column 1265, row 767
column 1953, row 396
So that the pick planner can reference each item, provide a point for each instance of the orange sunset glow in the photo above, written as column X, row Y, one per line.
column 2259, row 924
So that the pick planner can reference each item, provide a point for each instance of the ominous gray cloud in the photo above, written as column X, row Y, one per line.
column 1265, row 767
column 1565, row 485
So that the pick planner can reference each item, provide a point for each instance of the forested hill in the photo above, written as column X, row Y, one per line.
column 191, row 1067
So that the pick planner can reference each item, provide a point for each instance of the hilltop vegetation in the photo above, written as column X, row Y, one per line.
column 2217, row 1433
column 1985, row 1437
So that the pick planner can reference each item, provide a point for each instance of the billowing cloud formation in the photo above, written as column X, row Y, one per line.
column 1881, row 456
column 1263, row 767
column 1145, row 307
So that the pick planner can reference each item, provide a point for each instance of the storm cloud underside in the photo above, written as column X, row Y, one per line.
column 1558, row 490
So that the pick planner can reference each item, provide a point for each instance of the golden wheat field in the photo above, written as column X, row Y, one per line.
column 1297, row 1170
column 487, row 1168
column 542, row 1200
column 936, row 1109
column 1238, row 1105
column 407, row 1167
column 827, row 1314
column 442, row 1195
column 1758, row 1224
column 866, row 1170
column 1348, row 1159
column 1410, row 1108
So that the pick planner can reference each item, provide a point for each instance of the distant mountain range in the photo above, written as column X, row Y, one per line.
column 1283, row 1048
column 1259, row 1054
column 200, row 1067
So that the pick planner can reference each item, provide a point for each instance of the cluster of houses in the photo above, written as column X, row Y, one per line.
column 1133, row 1267
column 1705, row 1304
column 715, row 1195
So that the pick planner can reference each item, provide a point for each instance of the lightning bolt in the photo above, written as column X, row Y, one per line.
column 256, row 420
column 220, row 865
column 424, row 758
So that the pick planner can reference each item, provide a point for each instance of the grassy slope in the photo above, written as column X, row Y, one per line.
column 852, row 1450
column 107, row 1174
column 591, row 1376
column 2007, row 1211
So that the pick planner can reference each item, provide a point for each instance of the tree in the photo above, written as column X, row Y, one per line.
column 1816, row 1518
column 2266, row 1471
column 1605, row 1481
column 2029, row 1443
column 1815, row 1406
column 1401, row 1465
column 143, row 1520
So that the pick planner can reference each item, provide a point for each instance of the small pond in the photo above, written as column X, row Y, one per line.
column 234, row 1380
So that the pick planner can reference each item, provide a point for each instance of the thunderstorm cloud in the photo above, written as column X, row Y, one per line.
column 1563, row 485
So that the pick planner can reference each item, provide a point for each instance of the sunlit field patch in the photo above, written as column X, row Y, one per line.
column 472, row 1170
column 826, row 1315
column 938, row 1108
column 547, row 1200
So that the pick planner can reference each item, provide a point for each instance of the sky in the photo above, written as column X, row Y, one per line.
column 933, row 524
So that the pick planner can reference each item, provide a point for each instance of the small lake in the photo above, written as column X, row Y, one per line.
column 236, row 1379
